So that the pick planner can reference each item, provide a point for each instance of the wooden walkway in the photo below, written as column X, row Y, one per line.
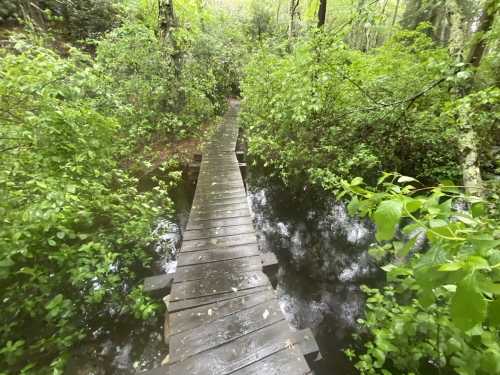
column 224, row 316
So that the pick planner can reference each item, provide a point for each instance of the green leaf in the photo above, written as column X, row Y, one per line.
column 407, row 247
column 478, row 209
column 357, row 181
column 404, row 179
column 494, row 313
column 450, row 267
column 353, row 206
column 468, row 306
column 386, row 218
column 412, row 205
column 490, row 361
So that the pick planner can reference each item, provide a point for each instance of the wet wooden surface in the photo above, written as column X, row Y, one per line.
column 224, row 314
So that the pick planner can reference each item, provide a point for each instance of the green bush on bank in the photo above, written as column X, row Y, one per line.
column 74, row 228
column 326, row 112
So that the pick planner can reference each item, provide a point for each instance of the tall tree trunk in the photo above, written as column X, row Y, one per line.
column 167, row 19
column 396, row 11
column 471, row 170
column 293, row 5
column 322, row 13
column 485, row 23
column 168, row 23
column 435, row 12
column 357, row 35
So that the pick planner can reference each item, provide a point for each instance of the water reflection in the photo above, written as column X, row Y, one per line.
column 323, row 261
column 123, row 346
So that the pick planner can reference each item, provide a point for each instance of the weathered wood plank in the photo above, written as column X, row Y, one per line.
column 286, row 361
column 210, row 202
column 224, row 330
column 225, row 241
column 219, row 214
column 222, row 268
column 162, row 370
column 198, row 316
column 202, row 301
column 216, row 223
column 218, row 254
column 199, row 234
column 224, row 316
column 217, row 285
column 159, row 283
column 240, row 353
column 221, row 194
column 208, row 207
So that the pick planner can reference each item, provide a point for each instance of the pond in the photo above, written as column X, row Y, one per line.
column 323, row 261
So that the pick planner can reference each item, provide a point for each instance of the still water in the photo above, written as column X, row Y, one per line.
column 323, row 261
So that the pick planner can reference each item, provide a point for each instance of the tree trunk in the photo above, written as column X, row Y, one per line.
column 167, row 17
column 485, row 23
column 294, row 4
column 395, row 13
column 471, row 171
column 435, row 12
column 322, row 13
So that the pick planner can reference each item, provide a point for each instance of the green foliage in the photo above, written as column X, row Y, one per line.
column 74, row 227
column 75, row 20
column 326, row 112
column 440, row 308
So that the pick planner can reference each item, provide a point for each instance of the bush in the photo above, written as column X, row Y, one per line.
column 74, row 228
column 326, row 112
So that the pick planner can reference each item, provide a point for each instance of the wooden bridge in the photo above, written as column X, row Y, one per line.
column 223, row 314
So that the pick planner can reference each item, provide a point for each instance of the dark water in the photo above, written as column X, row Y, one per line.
column 323, row 261
column 126, row 347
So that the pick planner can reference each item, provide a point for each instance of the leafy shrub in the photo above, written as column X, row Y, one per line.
column 76, row 20
column 326, row 112
column 441, row 307
column 74, row 228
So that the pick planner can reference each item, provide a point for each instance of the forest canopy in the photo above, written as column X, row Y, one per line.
column 392, row 106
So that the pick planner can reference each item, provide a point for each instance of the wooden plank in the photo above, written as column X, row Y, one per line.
column 308, row 345
column 198, row 316
column 162, row 370
column 224, row 330
column 223, row 193
column 216, row 285
column 211, row 243
column 223, row 206
column 202, row 301
column 241, row 194
column 218, row 184
column 159, row 283
column 240, row 353
column 206, row 209
column 210, row 202
column 219, row 214
column 286, row 361
column 224, row 316
column 216, row 223
column 198, row 234
column 222, row 268
column 218, row 254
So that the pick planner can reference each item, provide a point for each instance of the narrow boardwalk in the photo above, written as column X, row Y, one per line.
column 223, row 313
